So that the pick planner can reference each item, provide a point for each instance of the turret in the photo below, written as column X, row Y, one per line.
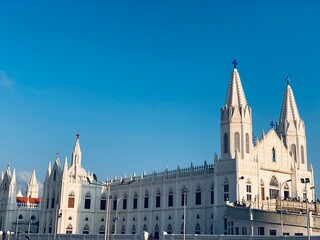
column 33, row 187
column 76, row 154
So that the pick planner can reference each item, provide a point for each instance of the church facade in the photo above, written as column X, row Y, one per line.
column 255, row 187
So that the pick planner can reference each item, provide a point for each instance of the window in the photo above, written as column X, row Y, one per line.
column 302, row 154
column 123, row 229
column 52, row 199
column 274, row 192
column 197, row 229
column 260, row 230
column 226, row 190
column 70, row 218
column 146, row 200
column 145, row 228
column 156, row 231
column 85, row 229
column 54, row 175
column 248, row 188
column 20, row 216
column 169, row 229
column 170, row 198
column 244, row 231
column 33, row 217
column 124, row 202
column 294, row 152
column 101, row 230
column 69, row 229
column 47, row 203
column 115, row 202
column 237, row 142
column 87, row 201
column 133, row 229
column 272, row 232
column 247, row 143
column 212, row 194
column 103, row 202
column 71, row 200
column 135, row 201
column 273, row 155
column 184, row 197
column 225, row 143
column 158, row 199
column 198, row 195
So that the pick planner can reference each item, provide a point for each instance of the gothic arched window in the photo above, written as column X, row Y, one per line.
column 273, row 155
column 87, row 200
column 237, row 141
column 85, row 229
column 69, row 229
column 274, row 184
column 302, row 154
column 170, row 198
column 197, row 229
column 225, row 143
column 294, row 152
column 103, row 202
column 198, row 195
column 158, row 199
column 247, row 143
column 71, row 198
column 101, row 229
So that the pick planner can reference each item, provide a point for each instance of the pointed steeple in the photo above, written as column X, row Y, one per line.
column 236, row 121
column 235, row 94
column 76, row 154
column 289, row 109
column 13, row 178
column 291, row 129
column 65, row 168
column 48, row 171
column 33, row 187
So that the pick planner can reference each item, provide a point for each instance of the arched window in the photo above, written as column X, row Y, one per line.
column 123, row 229
column 274, row 192
column 286, row 192
column 262, row 189
column 273, row 155
column 115, row 202
column 197, row 229
column 169, row 229
column 211, row 229
column 145, row 228
column 237, row 142
column 302, row 154
column 133, row 229
column 71, row 198
column 225, row 143
column 69, row 229
column 124, row 201
column 135, row 201
column 294, row 152
column 52, row 199
column 198, row 195
column 20, row 216
column 85, row 229
column 247, row 143
column 182, row 228
column 103, row 202
column 146, row 199
column 101, row 230
column 87, row 200
column 156, row 231
column 158, row 199
column 170, row 198
column 33, row 217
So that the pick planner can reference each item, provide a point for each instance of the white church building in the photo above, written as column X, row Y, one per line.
column 255, row 187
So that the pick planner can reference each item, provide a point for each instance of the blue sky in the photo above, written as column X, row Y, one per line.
column 143, row 81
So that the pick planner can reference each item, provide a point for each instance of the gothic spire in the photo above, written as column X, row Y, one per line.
column 76, row 153
column 235, row 95
column 33, row 187
column 289, row 109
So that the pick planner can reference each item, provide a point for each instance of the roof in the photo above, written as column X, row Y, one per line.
column 29, row 200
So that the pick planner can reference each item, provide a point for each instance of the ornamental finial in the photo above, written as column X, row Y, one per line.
column 272, row 124
column 235, row 63
column 78, row 135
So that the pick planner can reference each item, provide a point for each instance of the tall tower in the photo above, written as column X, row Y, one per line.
column 292, row 129
column 236, row 121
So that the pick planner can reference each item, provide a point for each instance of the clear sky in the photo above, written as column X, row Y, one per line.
column 143, row 81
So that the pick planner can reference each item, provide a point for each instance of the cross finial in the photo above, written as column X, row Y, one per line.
column 288, row 80
column 235, row 63
column 78, row 135
column 57, row 155
column 272, row 124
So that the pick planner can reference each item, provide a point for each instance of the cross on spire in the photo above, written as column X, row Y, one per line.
column 235, row 63
column 288, row 80
column 78, row 135
column 272, row 124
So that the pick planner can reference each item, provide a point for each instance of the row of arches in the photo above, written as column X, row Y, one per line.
column 156, row 230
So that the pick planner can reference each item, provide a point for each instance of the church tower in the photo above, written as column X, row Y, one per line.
column 236, row 121
column 33, row 187
column 292, row 129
